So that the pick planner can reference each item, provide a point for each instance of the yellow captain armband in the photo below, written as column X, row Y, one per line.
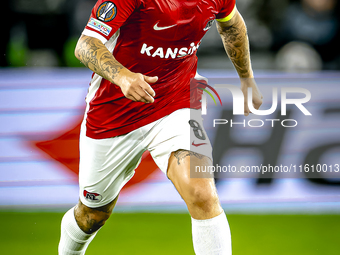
column 229, row 17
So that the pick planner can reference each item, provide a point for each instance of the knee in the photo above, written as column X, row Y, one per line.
column 202, row 197
column 90, row 219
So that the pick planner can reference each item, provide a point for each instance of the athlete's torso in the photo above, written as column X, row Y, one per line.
column 156, row 38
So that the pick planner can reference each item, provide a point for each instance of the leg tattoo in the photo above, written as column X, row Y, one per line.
column 181, row 154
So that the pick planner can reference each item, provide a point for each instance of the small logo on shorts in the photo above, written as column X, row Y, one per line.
column 197, row 144
column 92, row 196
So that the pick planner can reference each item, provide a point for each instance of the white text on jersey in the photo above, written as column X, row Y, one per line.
column 169, row 52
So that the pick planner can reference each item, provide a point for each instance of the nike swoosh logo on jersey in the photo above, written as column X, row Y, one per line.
column 198, row 144
column 156, row 27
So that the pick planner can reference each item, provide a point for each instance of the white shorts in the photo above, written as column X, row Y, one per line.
column 106, row 165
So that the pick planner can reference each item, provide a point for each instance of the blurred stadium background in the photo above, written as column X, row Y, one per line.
column 42, row 89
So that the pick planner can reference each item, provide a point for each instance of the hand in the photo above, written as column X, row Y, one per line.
column 257, row 95
column 135, row 86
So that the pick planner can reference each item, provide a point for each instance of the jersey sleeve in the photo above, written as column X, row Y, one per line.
column 108, row 16
column 227, row 12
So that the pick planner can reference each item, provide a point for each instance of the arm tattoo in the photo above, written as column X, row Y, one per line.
column 94, row 55
column 235, row 41
column 181, row 154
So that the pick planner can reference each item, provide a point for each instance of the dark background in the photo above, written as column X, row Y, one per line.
column 298, row 35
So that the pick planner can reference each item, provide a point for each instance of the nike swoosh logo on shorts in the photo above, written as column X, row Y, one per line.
column 198, row 144
column 156, row 27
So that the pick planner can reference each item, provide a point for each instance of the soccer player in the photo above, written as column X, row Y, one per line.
column 143, row 55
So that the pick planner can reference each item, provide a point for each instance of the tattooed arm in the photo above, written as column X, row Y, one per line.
column 94, row 55
column 236, row 43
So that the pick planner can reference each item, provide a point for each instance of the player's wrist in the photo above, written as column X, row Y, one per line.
column 122, row 76
column 248, row 82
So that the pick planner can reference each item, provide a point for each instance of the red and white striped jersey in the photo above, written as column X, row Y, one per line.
column 155, row 38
